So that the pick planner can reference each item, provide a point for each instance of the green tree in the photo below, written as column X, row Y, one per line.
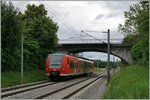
column 10, row 37
column 136, row 28
column 39, row 36
column 131, row 39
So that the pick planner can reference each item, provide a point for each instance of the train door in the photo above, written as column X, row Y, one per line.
column 81, row 66
column 78, row 66
column 71, row 66
column 75, row 67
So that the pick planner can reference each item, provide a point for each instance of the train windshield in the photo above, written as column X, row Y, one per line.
column 55, row 60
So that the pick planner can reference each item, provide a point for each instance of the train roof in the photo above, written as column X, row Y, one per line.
column 73, row 56
column 57, row 54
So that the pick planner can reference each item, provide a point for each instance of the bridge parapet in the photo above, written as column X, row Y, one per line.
column 88, row 41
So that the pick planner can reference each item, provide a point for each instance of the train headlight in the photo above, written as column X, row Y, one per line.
column 63, row 69
column 46, row 68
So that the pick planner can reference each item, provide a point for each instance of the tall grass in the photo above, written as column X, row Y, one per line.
column 13, row 78
column 99, row 69
column 131, row 82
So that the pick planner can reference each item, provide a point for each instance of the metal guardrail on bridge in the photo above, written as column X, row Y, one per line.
column 88, row 41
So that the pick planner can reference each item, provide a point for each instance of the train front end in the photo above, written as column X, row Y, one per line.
column 54, row 65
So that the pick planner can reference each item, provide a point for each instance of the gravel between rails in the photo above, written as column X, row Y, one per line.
column 24, row 89
column 95, row 90
column 92, row 91
column 23, row 85
column 69, row 91
column 32, row 94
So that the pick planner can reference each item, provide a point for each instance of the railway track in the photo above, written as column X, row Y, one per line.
column 66, row 92
column 20, row 89
column 82, row 87
column 46, row 89
column 22, row 86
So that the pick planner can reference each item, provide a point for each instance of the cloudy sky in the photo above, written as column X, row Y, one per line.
column 84, row 15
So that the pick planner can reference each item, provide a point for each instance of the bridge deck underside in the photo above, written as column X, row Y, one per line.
column 119, row 50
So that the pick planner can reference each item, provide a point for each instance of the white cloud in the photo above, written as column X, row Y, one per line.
column 82, row 14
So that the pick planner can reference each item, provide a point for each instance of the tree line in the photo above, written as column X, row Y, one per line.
column 104, row 64
column 39, row 36
column 136, row 30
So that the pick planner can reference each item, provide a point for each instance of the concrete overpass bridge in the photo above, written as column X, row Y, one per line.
column 76, row 46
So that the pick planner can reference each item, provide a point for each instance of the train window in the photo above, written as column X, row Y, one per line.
column 85, row 64
column 71, row 64
column 67, row 60
column 75, row 64
column 55, row 60
column 78, row 64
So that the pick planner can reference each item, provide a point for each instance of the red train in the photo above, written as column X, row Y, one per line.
column 65, row 65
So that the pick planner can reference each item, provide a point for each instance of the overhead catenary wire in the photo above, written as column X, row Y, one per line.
column 56, row 16
column 59, row 19
column 93, row 37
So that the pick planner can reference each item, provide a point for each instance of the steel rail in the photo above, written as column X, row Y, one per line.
column 53, row 92
column 71, row 94
column 22, row 86
column 26, row 89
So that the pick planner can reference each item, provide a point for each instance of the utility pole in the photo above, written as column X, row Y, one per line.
column 108, row 47
column 117, row 65
column 108, row 56
column 22, row 58
column 114, row 65
column 97, row 63
column 108, row 51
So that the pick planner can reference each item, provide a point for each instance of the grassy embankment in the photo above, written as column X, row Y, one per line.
column 99, row 69
column 131, row 82
column 13, row 78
